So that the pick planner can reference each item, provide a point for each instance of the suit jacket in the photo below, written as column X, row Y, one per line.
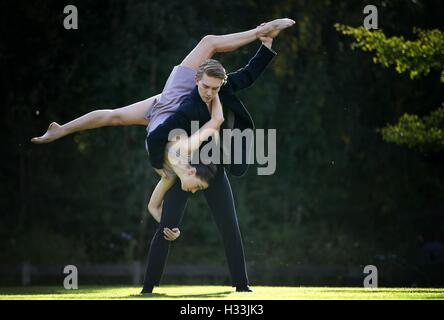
column 193, row 108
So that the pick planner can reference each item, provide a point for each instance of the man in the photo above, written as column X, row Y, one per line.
column 218, row 195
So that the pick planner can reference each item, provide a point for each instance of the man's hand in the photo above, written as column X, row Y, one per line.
column 171, row 234
column 266, row 41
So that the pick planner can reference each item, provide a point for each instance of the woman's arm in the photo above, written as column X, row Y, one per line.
column 156, row 203
column 133, row 114
column 210, row 128
column 156, row 200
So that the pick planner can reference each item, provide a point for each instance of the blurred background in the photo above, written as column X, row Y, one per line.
column 359, row 178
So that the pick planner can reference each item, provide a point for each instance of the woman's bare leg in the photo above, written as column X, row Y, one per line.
column 129, row 115
column 211, row 44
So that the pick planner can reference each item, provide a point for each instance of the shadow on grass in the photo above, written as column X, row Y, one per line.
column 185, row 296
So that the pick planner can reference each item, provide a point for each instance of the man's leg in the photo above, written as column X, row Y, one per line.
column 220, row 199
column 211, row 44
column 173, row 208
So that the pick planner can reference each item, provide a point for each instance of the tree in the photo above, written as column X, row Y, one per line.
column 419, row 58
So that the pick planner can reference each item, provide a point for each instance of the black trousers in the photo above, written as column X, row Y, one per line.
column 220, row 200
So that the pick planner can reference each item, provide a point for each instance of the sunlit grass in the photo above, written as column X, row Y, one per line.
column 220, row 292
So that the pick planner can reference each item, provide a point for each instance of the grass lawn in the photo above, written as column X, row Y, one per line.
column 190, row 292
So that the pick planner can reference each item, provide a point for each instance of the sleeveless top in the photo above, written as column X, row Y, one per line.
column 180, row 83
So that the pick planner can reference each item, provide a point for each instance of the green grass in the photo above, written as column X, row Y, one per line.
column 220, row 292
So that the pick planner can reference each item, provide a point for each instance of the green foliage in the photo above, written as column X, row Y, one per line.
column 426, row 133
column 418, row 58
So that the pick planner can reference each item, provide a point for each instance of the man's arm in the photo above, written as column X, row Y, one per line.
column 245, row 77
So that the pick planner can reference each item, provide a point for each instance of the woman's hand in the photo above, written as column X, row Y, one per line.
column 171, row 234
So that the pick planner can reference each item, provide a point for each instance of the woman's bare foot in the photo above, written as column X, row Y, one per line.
column 53, row 133
column 271, row 29
column 156, row 212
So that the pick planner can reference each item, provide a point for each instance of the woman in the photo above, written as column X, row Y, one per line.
column 154, row 110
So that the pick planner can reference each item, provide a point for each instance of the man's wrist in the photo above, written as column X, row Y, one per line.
column 267, row 44
column 269, row 47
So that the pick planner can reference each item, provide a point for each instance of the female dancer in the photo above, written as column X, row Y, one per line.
column 154, row 110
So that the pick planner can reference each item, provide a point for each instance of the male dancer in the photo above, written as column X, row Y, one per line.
column 211, row 80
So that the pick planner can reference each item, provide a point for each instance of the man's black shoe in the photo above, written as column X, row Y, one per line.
column 243, row 289
column 147, row 290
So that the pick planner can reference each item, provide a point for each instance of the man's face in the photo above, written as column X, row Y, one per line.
column 208, row 87
column 191, row 183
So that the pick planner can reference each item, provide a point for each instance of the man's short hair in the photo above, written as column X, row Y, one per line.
column 212, row 68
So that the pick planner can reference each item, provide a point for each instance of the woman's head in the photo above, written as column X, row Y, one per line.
column 197, row 176
column 193, row 177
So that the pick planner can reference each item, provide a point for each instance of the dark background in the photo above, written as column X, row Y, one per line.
column 340, row 197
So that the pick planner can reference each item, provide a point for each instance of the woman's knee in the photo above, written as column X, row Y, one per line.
column 210, row 42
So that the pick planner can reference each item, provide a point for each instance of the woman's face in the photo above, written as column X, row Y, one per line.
column 191, row 183
column 185, row 172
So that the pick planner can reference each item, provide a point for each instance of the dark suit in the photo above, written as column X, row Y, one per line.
column 218, row 195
